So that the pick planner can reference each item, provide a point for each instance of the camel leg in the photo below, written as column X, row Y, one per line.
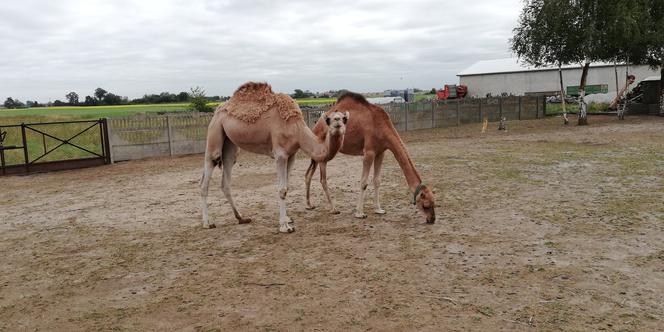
column 378, row 164
column 307, row 183
column 213, row 151
column 208, row 167
column 228, row 156
column 366, row 167
column 285, row 223
column 323, row 182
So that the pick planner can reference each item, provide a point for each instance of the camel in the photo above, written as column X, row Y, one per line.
column 370, row 134
column 260, row 121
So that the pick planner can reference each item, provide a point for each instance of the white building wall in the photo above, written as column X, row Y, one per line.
column 520, row 83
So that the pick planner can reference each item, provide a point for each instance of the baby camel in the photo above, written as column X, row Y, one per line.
column 258, row 120
column 369, row 135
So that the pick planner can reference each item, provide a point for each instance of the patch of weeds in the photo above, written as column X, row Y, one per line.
column 300, row 315
column 486, row 311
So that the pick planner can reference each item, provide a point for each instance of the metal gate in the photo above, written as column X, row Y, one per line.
column 50, row 146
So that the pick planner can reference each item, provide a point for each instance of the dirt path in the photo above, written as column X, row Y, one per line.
column 541, row 228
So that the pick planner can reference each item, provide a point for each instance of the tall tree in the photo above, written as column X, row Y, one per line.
column 72, row 97
column 548, row 34
column 100, row 93
column 655, row 43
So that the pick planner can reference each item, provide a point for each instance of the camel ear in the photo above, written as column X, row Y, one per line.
column 327, row 119
column 346, row 117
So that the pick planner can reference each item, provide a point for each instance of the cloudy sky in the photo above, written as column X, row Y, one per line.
column 135, row 47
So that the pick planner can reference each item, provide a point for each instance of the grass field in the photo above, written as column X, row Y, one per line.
column 64, row 113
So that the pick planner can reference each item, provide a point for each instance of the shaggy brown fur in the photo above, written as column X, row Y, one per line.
column 251, row 100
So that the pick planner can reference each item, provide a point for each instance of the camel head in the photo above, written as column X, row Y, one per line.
column 336, row 122
column 424, row 201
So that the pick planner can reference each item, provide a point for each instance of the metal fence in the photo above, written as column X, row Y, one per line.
column 168, row 135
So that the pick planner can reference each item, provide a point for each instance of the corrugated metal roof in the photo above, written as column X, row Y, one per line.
column 511, row 65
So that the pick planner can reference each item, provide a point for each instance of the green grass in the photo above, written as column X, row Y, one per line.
column 64, row 113
column 89, row 112
column 315, row 101
column 574, row 108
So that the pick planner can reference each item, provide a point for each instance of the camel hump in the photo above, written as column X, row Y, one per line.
column 253, row 88
column 358, row 98
column 251, row 100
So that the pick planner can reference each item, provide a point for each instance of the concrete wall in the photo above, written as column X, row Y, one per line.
column 154, row 136
column 168, row 135
column 520, row 83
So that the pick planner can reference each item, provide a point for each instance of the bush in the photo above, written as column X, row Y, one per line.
column 198, row 101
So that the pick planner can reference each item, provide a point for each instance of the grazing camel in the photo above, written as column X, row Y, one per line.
column 260, row 121
column 369, row 135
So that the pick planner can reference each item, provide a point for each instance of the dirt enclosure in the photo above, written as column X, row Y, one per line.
column 542, row 227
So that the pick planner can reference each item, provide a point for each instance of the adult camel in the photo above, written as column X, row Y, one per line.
column 370, row 134
column 261, row 121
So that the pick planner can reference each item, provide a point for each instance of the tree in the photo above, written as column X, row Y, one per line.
column 72, row 97
column 59, row 102
column 89, row 101
column 299, row 94
column 183, row 96
column 112, row 99
column 653, row 41
column 548, row 34
column 433, row 91
column 197, row 100
column 100, row 93
column 10, row 103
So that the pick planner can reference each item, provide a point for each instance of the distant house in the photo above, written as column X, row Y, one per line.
column 510, row 76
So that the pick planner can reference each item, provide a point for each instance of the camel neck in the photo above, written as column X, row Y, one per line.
column 401, row 155
column 319, row 150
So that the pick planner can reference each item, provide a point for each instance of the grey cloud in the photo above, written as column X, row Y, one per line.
column 136, row 47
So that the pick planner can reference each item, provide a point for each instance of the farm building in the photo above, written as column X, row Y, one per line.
column 510, row 76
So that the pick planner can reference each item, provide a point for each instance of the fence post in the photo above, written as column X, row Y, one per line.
column 433, row 122
column 480, row 110
column 537, row 107
column 500, row 108
column 170, row 140
column 519, row 107
column 25, row 148
column 405, row 109
column 107, row 141
column 457, row 111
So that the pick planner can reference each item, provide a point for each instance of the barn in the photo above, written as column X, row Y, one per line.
column 512, row 77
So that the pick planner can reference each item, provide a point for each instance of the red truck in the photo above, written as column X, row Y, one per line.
column 452, row 91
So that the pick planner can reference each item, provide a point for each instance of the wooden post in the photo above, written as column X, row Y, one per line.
column 537, row 107
column 25, row 148
column 107, row 141
column 170, row 139
column 520, row 107
column 479, row 111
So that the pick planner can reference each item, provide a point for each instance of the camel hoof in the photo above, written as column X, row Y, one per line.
column 335, row 211
column 360, row 215
column 287, row 228
column 379, row 211
column 244, row 221
column 210, row 226
column 309, row 207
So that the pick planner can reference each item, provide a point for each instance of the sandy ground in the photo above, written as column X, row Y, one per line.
column 543, row 227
